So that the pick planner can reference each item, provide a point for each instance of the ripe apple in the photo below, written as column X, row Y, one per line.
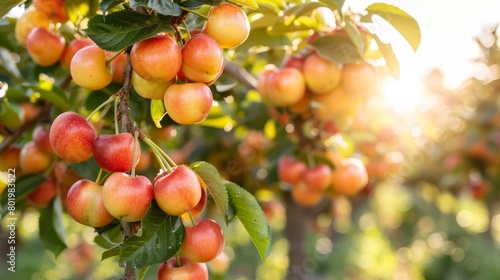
column 65, row 175
column 115, row 153
column 44, row 48
column 156, row 59
column 84, row 202
column 349, row 178
column 359, row 78
column 304, row 195
column 188, row 270
column 220, row 264
column 318, row 177
column 118, row 65
column 265, row 79
column 321, row 75
column 150, row 89
column 289, row 87
column 302, row 105
column 290, row 170
column 9, row 158
column 30, row 19
column 89, row 68
column 204, row 241
column 33, row 159
column 71, row 137
column 55, row 9
column 227, row 24
column 195, row 211
column 44, row 193
column 337, row 103
column 202, row 59
column 188, row 103
column 295, row 61
column 178, row 191
column 144, row 162
column 127, row 198
column 70, row 50
column 41, row 136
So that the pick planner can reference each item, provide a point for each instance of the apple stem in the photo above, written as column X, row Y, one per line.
column 187, row 29
column 192, row 219
column 113, row 57
column 165, row 166
column 111, row 99
column 99, row 177
column 177, row 260
column 195, row 13
column 310, row 160
column 165, row 155
column 134, row 158
column 117, row 100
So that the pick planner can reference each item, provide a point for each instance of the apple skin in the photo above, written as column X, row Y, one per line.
column 150, row 89
column 44, row 48
column 33, row 159
column 30, row 19
column 115, row 152
column 220, row 264
column 266, row 78
column 202, row 59
column 70, row 50
column 127, row 198
column 227, row 24
column 71, row 137
column 204, row 241
column 289, row 87
column 157, row 59
column 290, row 170
column 177, row 192
column 55, row 9
column 88, row 68
column 321, row 75
column 318, row 177
column 118, row 65
column 188, row 103
column 359, row 78
column 9, row 158
column 304, row 195
column 188, row 270
column 41, row 137
column 349, row 178
column 42, row 195
column 84, row 203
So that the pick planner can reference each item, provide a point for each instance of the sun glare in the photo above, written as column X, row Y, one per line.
column 404, row 94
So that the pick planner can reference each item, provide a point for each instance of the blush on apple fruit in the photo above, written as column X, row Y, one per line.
column 9, row 158
column 266, row 78
column 337, row 103
column 84, row 203
column 219, row 265
column 150, row 89
column 295, row 61
column 70, row 50
column 127, row 198
column 71, row 137
column 188, row 270
column 304, row 195
column 321, row 75
column 156, row 59
column 89, row 68
column 349, row 178
column 188, row 103
column 30, row 19
column 318, row 177
column 289, row 87
column 290, row 170
column 227, row 24
column 177, row 192
column 115, row 152
column 204, row 241
column 202, row 59
column 118, row 65
column 44, row 193
column 55, row 9
column 41, row 136
column 33, row 159
column 45, row 48
column 65, row 175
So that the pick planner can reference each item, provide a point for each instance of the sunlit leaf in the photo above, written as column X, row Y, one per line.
column 335, row 5
column 167, row 8
column 252, row 4
column 337, row 48
column 252, row 217
column 402, row 21
column 355, row 35
column 390, row 58
column 295, row 12
column 79, row 9
column 157, row 111
column 11, row 115
column 108, row 4
column 162, row 236
column 118, row 30
column 51, row 227
column 7, row 5
column 52, row 93
column 142, row 272
column 194, row 4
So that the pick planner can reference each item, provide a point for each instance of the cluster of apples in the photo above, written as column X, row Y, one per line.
column 311, row 81
column 310, row 183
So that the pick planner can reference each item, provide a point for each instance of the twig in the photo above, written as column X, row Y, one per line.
column 241, row 74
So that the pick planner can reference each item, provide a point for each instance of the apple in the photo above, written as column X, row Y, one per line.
column 127, row 198
column 321, row 75
column 227, row 24
column 55, row 9
column 318, row 177
column 65, row 175
column 266, row 78
column 157, row 59
column 349, row 178
column 204, row 241
column 202, row 59
column 118, row 65
column 359, row 78
column 188, row 103
column 337, row 103
column 177, row 192
column 220, row 264
column 84, row 203
column 188, row 270
column 33, row 159
column 89, row 68
column 44, row 193
column 150, row 89
column 71, row 137
column 196, row 211
column 70, row 50
column 9, row 158
column 115, row 153
column 44, row 48
column 41, row 136
column 287, row 87
column 144, row 162
column 30, row 19
column 304, row 195
column 295, row 61
column 290, row 170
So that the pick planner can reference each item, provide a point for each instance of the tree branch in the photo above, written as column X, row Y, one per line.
column 241, row 74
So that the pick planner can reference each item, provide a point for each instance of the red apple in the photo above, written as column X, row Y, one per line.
column 89, row 68
column 204, row 241
column 290, row 170
column 44, row 193
column 188, row 103
column 33, row 159
column 321, row 75
column 349, row 178
column 30, row 19
column 318, row 177
column 127, row 198
column 188, row 270
column 115, row 153
column 202, row 59
column 41, row 136
column 44, row 48
column 287, row 87
column 70, row 50
column 304, row 195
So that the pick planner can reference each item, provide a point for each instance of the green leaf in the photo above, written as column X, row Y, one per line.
column 252, row 217
column 355, row 35
column 118, row 30
column 391, row 61
column 335, row 5
column 167, row 8
column 162, row 236
column 52, row 232
column 23, row 186
column 211, row 177
column 157, row 111
column 11, row 115
column 79, row 9
column 142, row 272
column 297, row 11
column 337, row 48
column 106, row 5
column 52, row 93
column 193, row 4
column 7, row 5
column 299, row 24
column 8, row 64
column 403, row 22
column 252, row 4
column 113, row 252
